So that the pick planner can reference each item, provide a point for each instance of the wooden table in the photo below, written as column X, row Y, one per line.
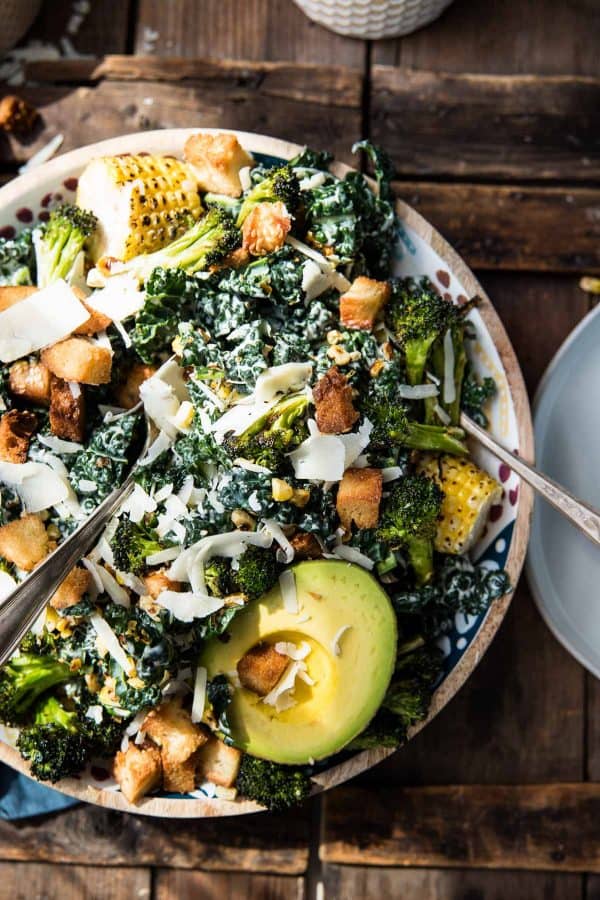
column 493, row 118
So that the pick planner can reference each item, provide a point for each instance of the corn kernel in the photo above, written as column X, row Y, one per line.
column 281, row 490
column 376, row 368
column 300, row 497
column 184, row 416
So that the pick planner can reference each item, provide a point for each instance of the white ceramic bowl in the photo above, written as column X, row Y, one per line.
column 420, row 250
column 373, row 19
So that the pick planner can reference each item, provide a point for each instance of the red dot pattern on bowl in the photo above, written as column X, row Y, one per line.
column 7, row 232
column 71, row 183
column 513, row 495
column 495, row 513
column 25, row 215
column 443, row 278
column 504, row 472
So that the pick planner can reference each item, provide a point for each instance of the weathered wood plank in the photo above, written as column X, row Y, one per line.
column 354, row 882
column 180, row 885
column 493, row 227
column 87, row 114
column 39, row 881
column 257, row 29
column 103, row 29
column 549, row 37
column 500, row 127
column 547, row 827
column 260, row 843
column 593, row 732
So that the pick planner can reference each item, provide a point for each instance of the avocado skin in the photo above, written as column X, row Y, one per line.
column 348, row 688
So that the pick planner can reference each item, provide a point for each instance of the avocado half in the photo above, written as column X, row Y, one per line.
column 348, row 688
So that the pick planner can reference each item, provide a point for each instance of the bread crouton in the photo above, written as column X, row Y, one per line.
column 67, row 412
column 172, row 729
column 358, row 498
column 362, row 303
column 157, row 582
column 138, row 771
column 127, row 394
column 266, row 228
column 261, row 668
column 77, row 359
column 306, row 546
column 72, row 589
column 335, row 413
column 216, row 160
column 219, row 763
column 16, row 430
column 11, row 294
column 30, row 380
column 97, row 320
column 179, row 777
column 24, row 542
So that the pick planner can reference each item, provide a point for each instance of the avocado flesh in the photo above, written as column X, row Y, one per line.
column 348, row 688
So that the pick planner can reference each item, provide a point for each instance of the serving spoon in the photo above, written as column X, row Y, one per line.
column 22, row 607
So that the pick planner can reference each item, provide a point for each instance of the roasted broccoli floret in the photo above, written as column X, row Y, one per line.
column 277, row 432
column 23, row 679
column 392, row 424
column 206, row 243
column 60, row 242
column 280, row 184
column 274, row 786
column 417, row 315
column 409, row 520
column 131, row 544
column 61, row 742
column 409, row 693
column 257, row 573
column 217, row 575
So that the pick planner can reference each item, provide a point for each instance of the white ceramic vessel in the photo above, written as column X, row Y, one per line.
column 373, row 19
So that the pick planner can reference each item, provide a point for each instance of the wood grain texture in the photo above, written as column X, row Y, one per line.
column 264, row 843
column 39, row 881
column 549, row 37
column 103, row 30
column 360, row 882
column 547, row 827
column 517, row 227
column 255, row 29
column 510, row 127
column 181, row 885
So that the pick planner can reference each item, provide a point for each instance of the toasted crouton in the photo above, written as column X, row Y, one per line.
column 11, row 294
column 217, row 160
column 179, row 777
column 127, row 394
column 138, row 771
column 335, row 411
column 97, row 320
column 261, row 668
column 219, row 763
column 16, row 430
column 72, row 589
column 24, row 542
column 77, row 359
column 306, row 546
column 358, row 498
column 30, row 380
column 67, row 411
column 265, row 229
column 157, row 582
column 362, row 303
column 172, row 729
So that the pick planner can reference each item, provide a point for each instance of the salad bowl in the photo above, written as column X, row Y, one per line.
column 419, row 250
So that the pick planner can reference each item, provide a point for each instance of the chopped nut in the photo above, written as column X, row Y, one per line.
column 334, row 337
column 17, row 115
column 376, row 368
column 339, row 355
column 300, row 497
column 242, row 519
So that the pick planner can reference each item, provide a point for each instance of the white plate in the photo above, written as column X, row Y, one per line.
column 563, row 567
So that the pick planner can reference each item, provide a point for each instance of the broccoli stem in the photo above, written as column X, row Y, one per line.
column 420, row 552
column 416, row 353
column 417, row 436
column 437, row 366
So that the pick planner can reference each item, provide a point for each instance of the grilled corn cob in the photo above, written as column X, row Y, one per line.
column 468, row 495
column 142, row 203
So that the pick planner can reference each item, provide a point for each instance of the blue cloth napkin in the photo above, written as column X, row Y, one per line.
column 20, row 797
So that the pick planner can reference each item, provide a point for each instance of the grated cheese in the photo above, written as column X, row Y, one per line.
column 449, row 388
column 335, row 641
column 110, row 643
column 287, row 586
column 199, row 698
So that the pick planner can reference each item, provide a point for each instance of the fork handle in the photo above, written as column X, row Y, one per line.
column 22, row 607
column 584, row 517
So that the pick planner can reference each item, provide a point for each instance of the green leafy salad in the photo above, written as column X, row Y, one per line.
column 273, row 590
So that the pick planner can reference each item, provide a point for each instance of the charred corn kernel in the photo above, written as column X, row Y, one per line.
column 340, row 356
column 589, row 284
column 92, row 683
column 142, row 203
column 75, row 665
column 63, row 626
column 184, row 416
column 52, row 618
column 300, row 497
column 136, row 683
column 469, row 493
column 177, row 346
column 243, row 519
column 281, row 490
column 376, row 368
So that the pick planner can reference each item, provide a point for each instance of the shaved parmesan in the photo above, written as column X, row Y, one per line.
column 284, row 379
column 310, row 182
column 164, row 492
column 188, row 605
column 44, row 318
column 138, row 503
column 58, row 445
column 351, row 554
column 230, row 544
column 417, row 391
column 287, row 586
column 287, row 648
column 355, row 442
column 321, row 456
column 449, row 389
column 442, row 414
column 110, row 642
column 37, row 484
column 210, row 395
column 251, row 466
column 314, row 281
column 156, row 449
column 335, row 641
column 163, row 556
column 239, row 417
column 199, row 698
column 391, row 473
column 95, row 713
column 109, row 584
column 337, row 279
column 120, row 299
column 244, row 176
